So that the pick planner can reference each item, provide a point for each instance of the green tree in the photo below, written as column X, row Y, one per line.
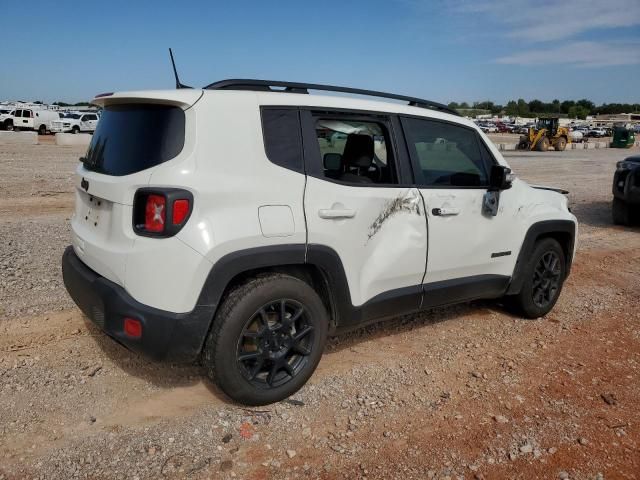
column 566, row 105
column 578, row 111
column 523, row 107
column 511, row 109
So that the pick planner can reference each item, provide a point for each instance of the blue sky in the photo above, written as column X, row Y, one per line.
column 452, row 50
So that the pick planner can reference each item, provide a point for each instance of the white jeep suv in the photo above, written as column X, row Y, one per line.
column 242, row 223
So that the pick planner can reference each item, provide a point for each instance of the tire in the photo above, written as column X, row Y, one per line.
column 278, row 358
column 544, row 275
column 621, row 212
column 561, row 144
column 42, row 130
column 543, row 145
column 75, row 130
column 8, row 126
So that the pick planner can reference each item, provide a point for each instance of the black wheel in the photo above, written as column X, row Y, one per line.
column 75, row 130
column 544, row 276
column 266, row 340
column 8, row 126
column 42, row 130
column 621, row 212
column 561, row 144
column 543, row 144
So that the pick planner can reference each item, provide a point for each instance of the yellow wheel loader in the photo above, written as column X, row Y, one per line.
column 547, row 133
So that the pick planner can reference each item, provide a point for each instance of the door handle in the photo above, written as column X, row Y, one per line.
column 445, row 212
column 334, row 213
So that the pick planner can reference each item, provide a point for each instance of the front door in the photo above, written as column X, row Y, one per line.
column 452, row 166
column 360, row 203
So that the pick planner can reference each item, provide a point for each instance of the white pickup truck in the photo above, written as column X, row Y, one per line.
column 75, row 123
column 6, row 118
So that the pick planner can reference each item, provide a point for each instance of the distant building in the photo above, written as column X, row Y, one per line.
column 609, row 120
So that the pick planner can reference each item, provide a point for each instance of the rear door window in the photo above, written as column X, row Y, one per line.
column 134, row 137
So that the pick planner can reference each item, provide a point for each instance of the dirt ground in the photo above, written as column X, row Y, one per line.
column 463, row 392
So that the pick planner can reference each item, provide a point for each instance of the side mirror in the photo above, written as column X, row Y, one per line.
column 500, row 178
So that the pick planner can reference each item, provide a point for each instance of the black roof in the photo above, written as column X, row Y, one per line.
column 296, row 87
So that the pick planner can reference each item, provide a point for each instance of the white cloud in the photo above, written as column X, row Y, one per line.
column 581, row 54
column 550, row 20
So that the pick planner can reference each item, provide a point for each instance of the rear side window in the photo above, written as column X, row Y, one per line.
column 446, row 154
column 282, row 137
column 132, row 138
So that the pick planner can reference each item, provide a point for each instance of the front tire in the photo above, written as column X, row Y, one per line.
column 621, row 212
column 543, row 144
column 544, row 275
column 561, row 144
column 75, row 130
column 266, row 340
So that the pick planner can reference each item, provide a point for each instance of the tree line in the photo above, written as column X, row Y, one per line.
column 573, row 109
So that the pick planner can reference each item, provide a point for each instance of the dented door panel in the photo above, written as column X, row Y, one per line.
column 382, row 242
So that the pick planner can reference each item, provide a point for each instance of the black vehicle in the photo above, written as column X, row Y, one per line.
column 626, row 191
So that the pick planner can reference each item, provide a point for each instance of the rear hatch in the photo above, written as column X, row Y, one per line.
column 136, row 134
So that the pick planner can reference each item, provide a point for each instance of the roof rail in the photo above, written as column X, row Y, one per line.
column 296, row 87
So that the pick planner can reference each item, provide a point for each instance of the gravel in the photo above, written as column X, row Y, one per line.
column 462, row 392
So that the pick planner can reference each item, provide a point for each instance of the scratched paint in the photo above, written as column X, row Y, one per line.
column 397, row 205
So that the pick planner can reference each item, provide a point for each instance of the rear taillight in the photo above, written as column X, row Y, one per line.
column 161, row 212
column 155, row 213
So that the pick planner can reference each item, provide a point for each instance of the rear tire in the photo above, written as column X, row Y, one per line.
column 544, row 275
column 75, row 130
column 543, row 144
column 621, row 212
column 42, row 130
column 266, row 340
column 561, row 144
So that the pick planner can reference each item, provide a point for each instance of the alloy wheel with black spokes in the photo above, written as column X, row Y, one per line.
column 266, row 339
column 275, row 343
column 546, row 279
column 543, row 276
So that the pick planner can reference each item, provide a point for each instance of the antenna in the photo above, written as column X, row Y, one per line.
column 175, row 72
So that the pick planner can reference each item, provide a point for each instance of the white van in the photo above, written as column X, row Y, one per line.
column 34, row 119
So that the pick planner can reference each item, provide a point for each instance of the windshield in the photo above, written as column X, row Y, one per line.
column 132, row 138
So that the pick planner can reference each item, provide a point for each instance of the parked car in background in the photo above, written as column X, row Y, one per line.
column 488, row 127
column 76, row 123
column 626, row 191
column 34, row 119
column 6, row 119
column 597, row 133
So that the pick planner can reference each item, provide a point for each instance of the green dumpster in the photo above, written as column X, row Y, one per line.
column 623, row 138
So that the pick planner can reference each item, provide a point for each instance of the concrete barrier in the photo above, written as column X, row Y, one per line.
column 18, row 138
column 73, row 139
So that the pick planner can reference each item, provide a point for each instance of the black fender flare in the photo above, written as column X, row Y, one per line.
column 324, row 258
column 535, row 231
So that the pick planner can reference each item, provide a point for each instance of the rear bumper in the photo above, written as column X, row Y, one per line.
column 165, row 335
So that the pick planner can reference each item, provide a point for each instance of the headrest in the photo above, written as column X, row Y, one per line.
column 358, row 150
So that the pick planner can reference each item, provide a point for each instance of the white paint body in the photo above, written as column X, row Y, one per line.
column 242, row 201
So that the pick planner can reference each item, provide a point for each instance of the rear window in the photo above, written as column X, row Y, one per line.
column 132, row 138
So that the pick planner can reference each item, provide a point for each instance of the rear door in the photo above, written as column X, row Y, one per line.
column 452, row 166
column 360, row 202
